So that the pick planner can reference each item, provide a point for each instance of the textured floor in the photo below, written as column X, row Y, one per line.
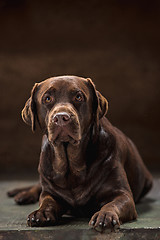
column 13, row 220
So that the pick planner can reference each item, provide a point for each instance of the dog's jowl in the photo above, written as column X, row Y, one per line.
column 87, row 166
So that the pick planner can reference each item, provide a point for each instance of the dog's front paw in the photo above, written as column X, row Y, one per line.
column 103, row 220
column 41, row 218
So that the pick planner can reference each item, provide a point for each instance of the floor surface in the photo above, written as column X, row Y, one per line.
column 13, row 220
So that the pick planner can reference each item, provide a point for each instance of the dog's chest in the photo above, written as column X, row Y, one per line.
column 73, row 191
column 76, row 190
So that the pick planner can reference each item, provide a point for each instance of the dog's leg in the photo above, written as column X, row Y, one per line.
column 48, row 214
column 112, row 214
column 15, row 191
column 119, row 206
column 26, row 195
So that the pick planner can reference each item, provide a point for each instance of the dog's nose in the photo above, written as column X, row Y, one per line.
column 61, row 118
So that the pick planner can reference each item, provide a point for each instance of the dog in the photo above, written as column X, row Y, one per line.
column 87, row 166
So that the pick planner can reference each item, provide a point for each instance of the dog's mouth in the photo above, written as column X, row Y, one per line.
column 64, row 134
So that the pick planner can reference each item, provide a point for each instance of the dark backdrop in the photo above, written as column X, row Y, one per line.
column 116, row 43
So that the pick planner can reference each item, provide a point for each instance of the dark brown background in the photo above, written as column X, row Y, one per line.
column 116, row 43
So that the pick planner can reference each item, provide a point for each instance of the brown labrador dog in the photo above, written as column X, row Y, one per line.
column 87, row 166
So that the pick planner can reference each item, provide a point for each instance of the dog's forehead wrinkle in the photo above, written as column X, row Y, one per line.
column 71, row 83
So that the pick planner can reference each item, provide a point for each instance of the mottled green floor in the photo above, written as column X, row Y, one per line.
column 13, row 220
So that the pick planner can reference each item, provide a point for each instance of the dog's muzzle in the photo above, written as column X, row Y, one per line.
column 64, row 125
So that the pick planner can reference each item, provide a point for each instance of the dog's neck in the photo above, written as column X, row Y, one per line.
column 69, row 159
column 66, row 160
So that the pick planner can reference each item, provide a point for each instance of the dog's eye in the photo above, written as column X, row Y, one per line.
column 79, row 97
column 48, row 99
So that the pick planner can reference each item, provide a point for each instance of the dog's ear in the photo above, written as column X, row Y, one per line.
column 29, row 111
column 103, row 105
column 100, row 104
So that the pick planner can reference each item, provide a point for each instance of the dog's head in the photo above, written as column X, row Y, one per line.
column 65, row 107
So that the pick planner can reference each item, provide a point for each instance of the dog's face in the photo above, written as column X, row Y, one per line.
column 65, row 108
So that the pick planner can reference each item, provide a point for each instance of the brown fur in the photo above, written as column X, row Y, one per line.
column 87, row 166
